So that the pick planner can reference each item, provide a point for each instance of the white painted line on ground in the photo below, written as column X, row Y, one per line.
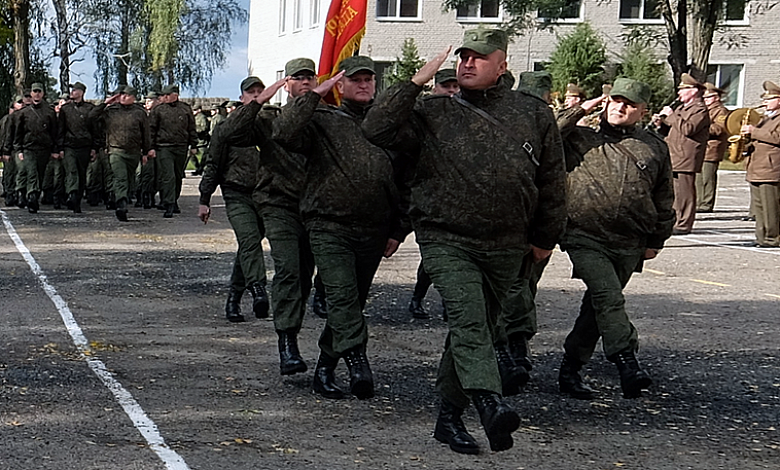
column 690, row 238
column 147, row 428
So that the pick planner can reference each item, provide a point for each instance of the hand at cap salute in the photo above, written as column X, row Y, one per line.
column 266, row 95
column 428, row 71
column 323, row 88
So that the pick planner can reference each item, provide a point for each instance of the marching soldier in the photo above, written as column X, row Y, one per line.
column 487, row 188
column 619, row 214
column 35, row 143
column 348, row 204
column 689, row 130
column 763, row 169
column 76, row 141
column 6, row 153
column 707, row 180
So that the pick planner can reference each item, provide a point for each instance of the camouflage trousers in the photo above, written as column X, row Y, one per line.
column 293, row 266
column 247, row 223
column 346, row 263
column 99, row 175
column 123, row 166
column 170, row 172
column 76, row 162
column 32, row 170
column 518, row 311
column 473, row 283
column 605, row 271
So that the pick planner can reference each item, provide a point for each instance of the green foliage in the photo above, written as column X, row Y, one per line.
column 579, row 58
column 638, row 61
column 403, row 69
column 163, row 18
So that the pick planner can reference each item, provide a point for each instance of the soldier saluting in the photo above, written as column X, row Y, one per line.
column 487, row 187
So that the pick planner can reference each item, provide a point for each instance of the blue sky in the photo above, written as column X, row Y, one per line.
column 224, row 83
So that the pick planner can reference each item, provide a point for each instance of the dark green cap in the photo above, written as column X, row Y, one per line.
column 79, row 86
column 445, row 75
column 168, row 89
column 152, row 95
column 129, row 90
column 234, row 104
column 484, row 41
column 64, row 96
column 299, row 65
column 355, row 64
column 18, row 98
column 249, row 82
column 632, row 90
column 37, row 87
column 537, row 83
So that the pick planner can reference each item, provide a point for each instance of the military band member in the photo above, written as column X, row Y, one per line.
column 619, row 214
column 574, row 96
column 763, row 169
column 689, row 130
column 487, row 187
column 707, row 180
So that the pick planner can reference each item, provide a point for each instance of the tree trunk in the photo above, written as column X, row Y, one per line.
column 677, row 34
column 705, row 19
column 124, row 45
column 21, row 13
column 63, row 41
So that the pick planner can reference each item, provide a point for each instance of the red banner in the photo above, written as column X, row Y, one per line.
column 345, row 26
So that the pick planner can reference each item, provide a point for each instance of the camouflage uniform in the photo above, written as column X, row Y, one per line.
column 35, row 136
column 9, row 167
column 76, row 141
column 478, row 199
column 172, row 127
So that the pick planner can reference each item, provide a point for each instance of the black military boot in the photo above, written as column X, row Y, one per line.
column 498, row 419
column 260, row 303
column 361, row 380
column 121, row 210
column 570, row 382
column 325, row 379
column 56, row 202
column 176, row 209
column 290, row 360
column 110, row 202
column 451, row 430
column 632, row 378
column 233, row 306
column 10, row 198
column 513, row 376
column 147, row 200
column 318, row 303
column 48, row 197
column 21, row 200
column 139, row 198
column 518, row 349
column 416, row 309
column 32, row 202
column 93, row 198
column 77, row 203
column 168, row 211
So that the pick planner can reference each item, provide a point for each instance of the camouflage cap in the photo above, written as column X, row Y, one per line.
column 249, row 82
column 772, row 91
column 18, row 98
column 152, row 95
column 575, row 90
column 234, row 104
column 484, row 41
column 537, row 83
column 445, row 75
column 64, row 96
column 168, row 89
column 299, row 65
column 37, row 87
column 79, row 86
column 26, row 93
column 711, row 89
column 687, row 81
column 130, row 90
column 355, row 64
column 632, row 90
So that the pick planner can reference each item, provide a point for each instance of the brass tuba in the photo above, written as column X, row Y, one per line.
column 738, row 142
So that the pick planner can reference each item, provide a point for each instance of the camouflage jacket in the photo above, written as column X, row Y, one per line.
column 75, row 127
column 6, row 140
column 126, row 127
column 471, row 181
column 172, row 124
column 35, row 128
column 349, row 181
column 233, row 159
column 620, row 185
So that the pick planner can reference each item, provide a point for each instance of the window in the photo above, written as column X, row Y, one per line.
column 569, row 12
column 640, row 11
column 315, row 13
column 728, row 77
column 279, row 96
column 484, row 10
column 383, row 69
column 282, row 16
column 398, row 9
column 298, row 15
column 735, row 12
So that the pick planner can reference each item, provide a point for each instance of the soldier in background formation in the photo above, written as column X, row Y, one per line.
column 707, row 180
column 75, row 140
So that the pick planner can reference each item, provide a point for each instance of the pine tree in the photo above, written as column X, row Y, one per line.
column 640, row 63
column 403, row 69
column 579, row 58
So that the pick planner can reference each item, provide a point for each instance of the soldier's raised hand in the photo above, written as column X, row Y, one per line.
column 428, row 71
column 324, row 88
column 266, row 95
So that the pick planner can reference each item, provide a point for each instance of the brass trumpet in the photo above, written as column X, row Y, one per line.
column 739, row 140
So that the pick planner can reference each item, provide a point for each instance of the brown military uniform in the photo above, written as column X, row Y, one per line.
column 707, row 180
column 687, row 140
column 763, row 174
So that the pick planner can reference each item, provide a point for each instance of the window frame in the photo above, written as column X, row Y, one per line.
column 580, row 19
column 315, row 13
column 283, row 17
column 745, row 21
column 640, row 20
column 398, row 8
column 298, row 10
column 481, row 19
column 740, row 86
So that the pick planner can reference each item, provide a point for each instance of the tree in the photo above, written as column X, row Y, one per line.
column 403, row 69
column 579, row 58
column 20, row 11
column 638, row 61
